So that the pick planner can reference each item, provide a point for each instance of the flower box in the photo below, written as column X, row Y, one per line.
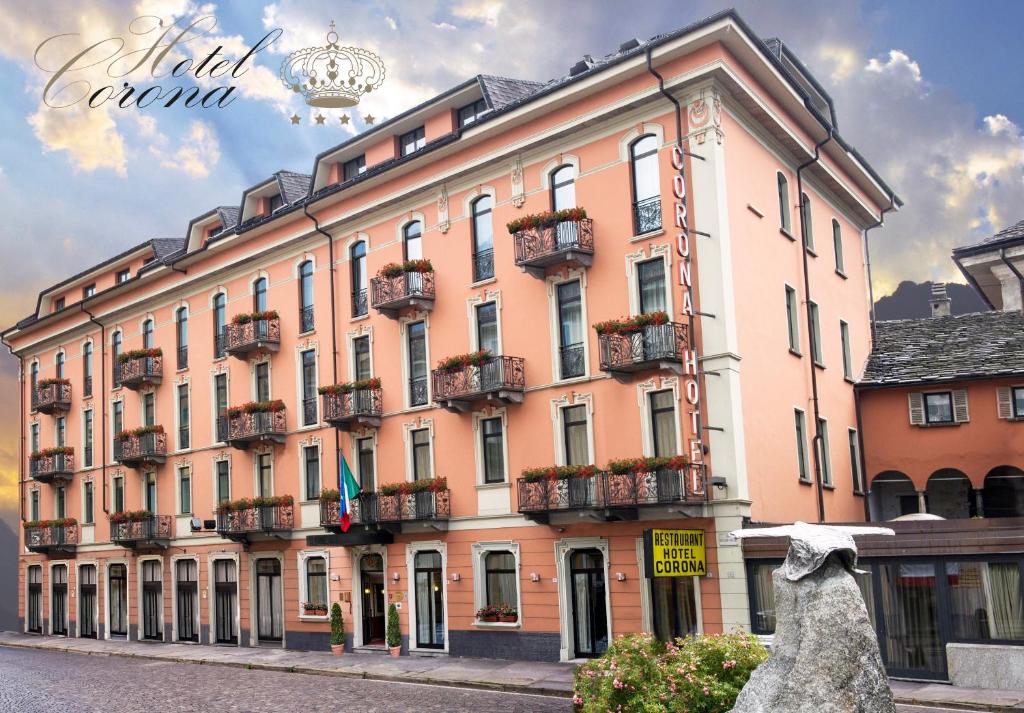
column 631, row 325
column 247, row 317
column 350, row 386
column 546, row 219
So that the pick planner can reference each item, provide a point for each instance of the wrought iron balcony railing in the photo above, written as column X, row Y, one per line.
column 259, row 335
column 570, row 241
column 483, row 265
column 353, row 409
column 572, row 361
column 259, row 427
column 145, row 449
column 59, row 466
column 500, row 378
column 182, row 358
column 647, row 215
column 268, row 519
column 306, row 321
column 52, row 538
column 150, row 532
column 361, row 514
column 359, row 307
column 613, row 492
column 653, row 346
column 412, row 507
column 418, row 391
column 139, row 372
column 407, row 289
column 52, row 398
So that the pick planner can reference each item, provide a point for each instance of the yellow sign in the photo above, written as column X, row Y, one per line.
column 675, row 553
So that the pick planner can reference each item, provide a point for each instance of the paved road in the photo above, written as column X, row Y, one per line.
column 44, row 682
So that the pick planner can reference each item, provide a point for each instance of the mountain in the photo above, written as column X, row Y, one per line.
column 8, row 572
column 910, row 301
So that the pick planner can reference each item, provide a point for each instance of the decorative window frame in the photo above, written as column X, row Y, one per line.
column 139, row 562
column 407, row 428
column 551, row 284
column 643, row 397
column 354, row 438
column 356, row 237
column 174, row 599
column 105, row 567
column 143, row 475
column 81, row 355
column 185, row 381
column 219, row 368
column 785, row 221
column 42, row 591
column 302, row 557
column 305, row 346
column 411, row 550
column 143, row 393
column 225, row 457
column 87, row 408
column 114, row 476
column 356, row 555
column 558, row 406
column 562, row 159
column 219, row 290
column 563, row 551
column 38, row 492
column 77, row 595
column 261, row 451
column 403, row 334
column 34, row 423
column 181, row 305
column 478, row 446
column 471, row 314
column 471, row 196
column 633, row 261
column 81, row 501
column 57, row 489
column 48, row 596
column 304, row 257
column 253, row 389
column 627, row 140
column 364, row 330
column 178, row 467
column 147, row 317
column 404, row 220
column 254, row 558
column 826, row 455
column 312, row 441
column 61, row 352
column 211, row 586
column 793, row 325
column 646, row 612
column 479, row 551
column 256, row 277
column 807, row 453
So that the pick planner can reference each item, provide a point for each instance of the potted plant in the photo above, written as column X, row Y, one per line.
column 508, row 614
column 337, row 630
column 314, row 608
column 394, row 633
column 487, row 613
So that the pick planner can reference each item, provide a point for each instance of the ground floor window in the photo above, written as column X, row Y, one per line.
column 187, row 604
column 59, row 600
column 87, row 601
column 225, row 579
column 35, row 599
column 429, row 600
column 500, row 579
column 118, row 600
column 152, row 600
column 674, row 607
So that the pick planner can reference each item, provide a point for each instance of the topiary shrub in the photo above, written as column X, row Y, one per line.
column 337, row 626
column 394, row 631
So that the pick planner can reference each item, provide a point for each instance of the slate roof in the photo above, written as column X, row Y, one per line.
column 1010, row 234
column 294, row 186
column 939, row 349
column 228, row 216
column 502, row 91
column 163, row 248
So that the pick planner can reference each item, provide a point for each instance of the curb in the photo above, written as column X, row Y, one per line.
column 279, row 668
column 957, row 705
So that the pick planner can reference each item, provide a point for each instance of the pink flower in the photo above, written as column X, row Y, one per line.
column 729, row 664
column 577, row 699
column 706, row 690
column 617, row 683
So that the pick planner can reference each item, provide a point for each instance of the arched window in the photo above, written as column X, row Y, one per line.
column 563, row 187
column 643, row 154
column 181, row 321
column 805, row 220
column 259, row 295
column 357, row 257
column 306, row 296
column 115, row 352
column 34, row 374
column 412, row 240
column 59, row 363
column 837, row 245
column 219, row 324
column 87, row 369
column 784, row 222
column 147, row 334
column 483, row 238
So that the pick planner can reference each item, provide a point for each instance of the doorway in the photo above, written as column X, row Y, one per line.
column 152, row 600
column 87, row 601
column 371, row 581
column 589, row 603
column 225, row 601
column 269, row 609
column 35, row 600
column 674, row 607
column 118, row 600
column 59, row 603
column 186, row 601
column 429, row 583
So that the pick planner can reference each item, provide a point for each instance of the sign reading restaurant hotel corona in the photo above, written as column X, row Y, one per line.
column 674, row 553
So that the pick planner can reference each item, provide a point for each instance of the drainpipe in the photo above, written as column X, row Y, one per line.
column 867, row 256
column 21, row 428
column 334, row 329
column 1016, row 273
column 103, row 403
column 817, row 440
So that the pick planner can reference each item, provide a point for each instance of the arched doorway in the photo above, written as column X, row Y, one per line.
column 949, row 494
column 1003, row 495
column 892, row 494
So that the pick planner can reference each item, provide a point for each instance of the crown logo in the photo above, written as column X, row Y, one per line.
column 332, row 76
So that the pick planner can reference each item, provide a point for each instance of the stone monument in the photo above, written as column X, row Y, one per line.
column 825, row 656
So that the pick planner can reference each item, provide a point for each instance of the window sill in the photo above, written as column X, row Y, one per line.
column 787, row 234
column 819, row 365
column 498, row 625
column 804, row 481
column 571, row 380
column 360, row 318
column 647, row 236
column 415, row 409
column 314, row 617
column 828, row 486
column 842, row 274
column 481, row 283
column 810, row 251
column 943, row 424
column 493, row 486
column 309, row 333
column 795, row 353
column 310, row 427
column 849, row 380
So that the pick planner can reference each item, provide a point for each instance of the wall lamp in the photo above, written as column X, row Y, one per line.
column 719, row 481
column 395, row 576
column 456, row 576
column 534, row 577
column 620, row 576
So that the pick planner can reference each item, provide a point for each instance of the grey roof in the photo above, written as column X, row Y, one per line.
column 1012, row 233
column 294, row 186
column 939, row 349
column 502, row 91
column 228, row 216
column 163, row 248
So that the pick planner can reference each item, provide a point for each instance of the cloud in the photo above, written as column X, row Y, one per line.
column 198, row 151
column 89, row 137
column 898, row 65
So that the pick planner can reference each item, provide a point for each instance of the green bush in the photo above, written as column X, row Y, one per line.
column 394, row 633
column 337, row 626
column 698, row 674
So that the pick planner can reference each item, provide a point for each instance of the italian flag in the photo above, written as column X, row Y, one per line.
column 348, row 490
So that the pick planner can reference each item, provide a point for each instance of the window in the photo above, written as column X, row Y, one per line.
column 361, row 357
column 938, row 408
column 263, row 381
column 58, row 304
column 123, row 275
column 574, row 430
column 483, row 238
column 147, row 334
column 572, row 360
column 316, row 580
column 815, row 335
column 115, row 352
column 412, row 240
column 805, row 221
column 500, row 581
column 844, row 338
column 34, row 438
column 364, row 463
column 421, row 454
column 184, row 431
column 59, row 365
column 149, row 409
column 417, row 345
column 264, row 475
column 487, row 327
column 563, row 188
column 801, row 445
column 352, row 168
column 643, row 154
column 470, row 113
column 259, row 295
column 311, row 467
column 223, row 481
column 493, row 450
column 181, row 323
column 357, row 258
column 34, row 505
column 985, row 600
column 88, row 291
column 34, row 375
column 87, row 369
column 306, row 322
column 219, row 325
column 184, row 491
column 309, row 388
column 118, row 493
column 858, row 486
column 274, row 202
column 650, row 277
column 60, row 431
column 220, row 388
column 784, row 222
column 87, row 439
column 117, row 417
column 824, row 453
column 663, row 423
column 412, row 141
column 62, row 501
column 837, row 245
column 87, row 502
column 1017, row 393
column 149, row 491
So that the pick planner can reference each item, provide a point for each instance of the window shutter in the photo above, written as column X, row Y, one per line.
column 1003, row 402
column 916, row 409
column 960, row 414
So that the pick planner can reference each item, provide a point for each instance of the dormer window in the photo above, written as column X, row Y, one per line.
column 123, row 275
column 471, row 112
column 88, row 291
column 351, row 169
column 412, row 141
column 58, row 304
column 274, row 202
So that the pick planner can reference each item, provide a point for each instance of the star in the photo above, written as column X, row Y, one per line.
column 295, row 118
column 369, row 119
column 344, row 118
column 320, row 118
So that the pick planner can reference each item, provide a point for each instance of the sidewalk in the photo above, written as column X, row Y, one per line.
column 551, row 679
column 943, row 695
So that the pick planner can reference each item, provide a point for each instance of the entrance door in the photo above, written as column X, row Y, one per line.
column 371, row 576
column 911, row 640
column 269, row 614
column 152, row 600
column 35, row 599
column 118, row 600
column 59, row 603
column 225, row 601
column 429, row 601
column 589, row 603
column 187, row 602
column 674, row 607
column 87, row 601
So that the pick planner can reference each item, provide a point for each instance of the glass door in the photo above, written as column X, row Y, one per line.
column 152, row 600
column 674, row 607
column 911, row 640
column 59, row 605
column 589, row 603
column 269, row 614
column 35, row 599
column 225, row 601
column 429, row 601
column 371, row 575
column 87, row 601
column 118, row 600
column 187, row 600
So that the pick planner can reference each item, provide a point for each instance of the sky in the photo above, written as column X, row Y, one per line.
column 930, row 92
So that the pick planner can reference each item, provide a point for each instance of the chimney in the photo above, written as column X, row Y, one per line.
column 939, row 302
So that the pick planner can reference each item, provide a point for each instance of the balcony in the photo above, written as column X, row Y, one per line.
column 431, row 507
column 460, row 381
column 141, row 530
column 241, row 519
column 351, row 406
column 253, row 333
column 52, row 464
column 552, row 240
column 397, row 287
column 140, row 368
column 141, row 447
column 647, row 215
column 633, row 345
column 256, row 423
column 362, row 513
column 612, row 495
column 52, row 396
column 49, row 536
